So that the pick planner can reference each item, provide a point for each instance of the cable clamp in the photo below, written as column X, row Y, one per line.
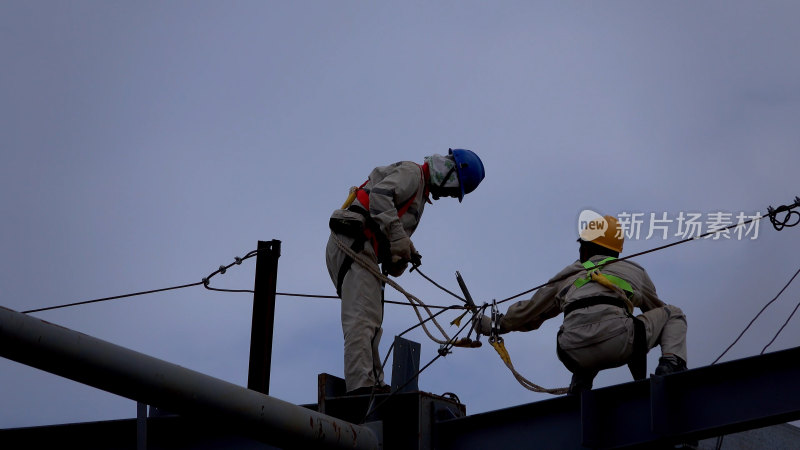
column 779, row 224
column 222, row 269
column 237, row 259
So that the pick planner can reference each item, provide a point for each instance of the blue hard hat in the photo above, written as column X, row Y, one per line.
column 469, row 169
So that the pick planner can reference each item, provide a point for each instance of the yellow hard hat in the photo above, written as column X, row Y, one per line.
column 604, row 232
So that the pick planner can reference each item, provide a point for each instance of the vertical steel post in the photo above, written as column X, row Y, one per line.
column 141, row 426
column 405, row 365
column 263, row 315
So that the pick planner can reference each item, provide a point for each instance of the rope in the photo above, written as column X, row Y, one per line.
column 500, row 347
column 372, row 268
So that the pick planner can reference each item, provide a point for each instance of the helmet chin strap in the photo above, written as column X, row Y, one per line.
column 440, row 187
column 447, row 177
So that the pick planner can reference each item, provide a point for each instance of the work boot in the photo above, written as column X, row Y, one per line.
column 581, row 381
column 364, row 390
column 670, row 364
column 369, row 390
column 382, row 389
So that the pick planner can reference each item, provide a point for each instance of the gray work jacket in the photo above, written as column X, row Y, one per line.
column 585, row 325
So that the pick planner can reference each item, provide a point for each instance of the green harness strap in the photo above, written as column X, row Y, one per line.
column 638, row 360
column 617, row 281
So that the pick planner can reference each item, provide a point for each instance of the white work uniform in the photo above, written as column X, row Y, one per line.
column 601, row 336
column 389, row 188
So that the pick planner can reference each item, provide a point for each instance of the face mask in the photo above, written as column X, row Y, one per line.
column 443, row 172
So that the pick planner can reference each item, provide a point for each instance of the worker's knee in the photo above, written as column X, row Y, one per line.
column 675, row 313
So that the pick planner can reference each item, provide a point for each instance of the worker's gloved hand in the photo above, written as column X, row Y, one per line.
column 400, row 249
column 482, row 324
column 396, row 268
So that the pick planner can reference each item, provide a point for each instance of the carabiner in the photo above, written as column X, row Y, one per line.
column 494, row 334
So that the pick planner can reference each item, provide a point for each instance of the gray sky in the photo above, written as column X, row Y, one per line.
column 146, row 143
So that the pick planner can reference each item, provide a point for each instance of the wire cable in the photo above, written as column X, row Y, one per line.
column 438, row 285
column 288, row 294
column 444, row 350
column 111, row 298
column 391, row 347
column 772, row 214
column 310, row 295
column 756, row 317
column 655, row 249
column 781, row 329
column 205, row 282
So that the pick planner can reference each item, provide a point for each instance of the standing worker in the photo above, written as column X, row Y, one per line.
column 377, row 222
column 597, row 296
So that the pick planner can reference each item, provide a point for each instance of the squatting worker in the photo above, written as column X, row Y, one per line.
column 378, row 224
column 599, row 330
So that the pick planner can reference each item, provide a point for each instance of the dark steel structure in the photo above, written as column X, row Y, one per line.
column 659, row 412
column 149, row 380
column 656, row 412
column 263, row 315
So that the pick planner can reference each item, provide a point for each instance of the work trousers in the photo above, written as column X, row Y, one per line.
column 362, row 314
column 665, row 326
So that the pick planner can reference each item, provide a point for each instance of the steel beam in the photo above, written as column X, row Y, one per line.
column 550, row 424
column 149, row 380
column 659, row 411
column 734, row 396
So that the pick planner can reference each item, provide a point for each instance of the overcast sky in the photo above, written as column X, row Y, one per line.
column 144, row 144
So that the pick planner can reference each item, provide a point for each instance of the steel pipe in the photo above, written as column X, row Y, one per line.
column 146, row 379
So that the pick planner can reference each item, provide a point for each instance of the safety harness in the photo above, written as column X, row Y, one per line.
column 638, row 360
column 371, row 232
column 593, row 274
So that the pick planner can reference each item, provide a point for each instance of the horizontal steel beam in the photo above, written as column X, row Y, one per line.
column 130, row 374
column 696, row 404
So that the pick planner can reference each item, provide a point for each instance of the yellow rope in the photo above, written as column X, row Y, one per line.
column 500, row 347
column 350, row 197
column 457, row 320
column 600, row 278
